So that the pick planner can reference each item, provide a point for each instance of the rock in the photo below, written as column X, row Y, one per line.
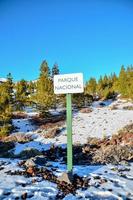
column 19, row 115
column 125, row 163
column 24, row 195
column 29, row 153
column 52, row 133
column 114, row 107
column 40, row 160
column 42, row 121
column 112, row 154
column 30, row 171
column 93, row 141
column 86, row 149
column 102, row 104
column 19, row 137
column 128, row 107
column 65, row 177
column 86, row 110
column 30, row 163
column 5, row 147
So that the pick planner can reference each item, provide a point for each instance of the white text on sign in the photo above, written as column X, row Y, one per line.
column 68, row 83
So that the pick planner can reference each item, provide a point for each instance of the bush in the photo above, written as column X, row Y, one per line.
column 128, row 108
column 5, row 130
column 19, row 137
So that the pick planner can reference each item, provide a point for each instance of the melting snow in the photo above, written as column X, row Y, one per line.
column 95, row 124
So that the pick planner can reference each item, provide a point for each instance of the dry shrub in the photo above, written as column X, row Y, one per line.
column 86, row 110
column 128, row 107
column 19, row 115
column 52, row 133
column 19, row 137
column 114, row 107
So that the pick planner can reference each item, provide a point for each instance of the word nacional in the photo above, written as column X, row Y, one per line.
column 68, row 83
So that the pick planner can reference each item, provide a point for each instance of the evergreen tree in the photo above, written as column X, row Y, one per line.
column 21, row 95
column 123, row 82
column 44, row 94
column 78, row 100
column 91, row 86
column 6, row 104
column 100, row 87
column 130, row 81
column 114, row 80
column 55, row 70
column 44, row 69
column 81, row 100
column 9, row 87
column 31, row 88
column 106, row 85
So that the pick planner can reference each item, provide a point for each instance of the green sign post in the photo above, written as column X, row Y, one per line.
column 69, row 84
column 69, row 133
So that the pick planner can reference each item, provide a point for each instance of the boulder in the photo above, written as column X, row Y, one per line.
column 38, row 160
column 86, row 110
column 65, row 177
column 52, row 133
column 29, row 153
column 19, row 137
column 5, row 147
column 30, row 163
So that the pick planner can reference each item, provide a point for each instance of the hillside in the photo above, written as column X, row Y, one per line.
column 34, row 156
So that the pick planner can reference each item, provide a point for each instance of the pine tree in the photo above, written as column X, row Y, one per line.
column 44, row 94
column 21, row 95
column 31, row 86
column 114, row 80
column 100, row 87
column 55, row 70
column 130, row 81
column 78, row 100
column 6, row 106
column 44, row 69
column 106, row 85
column 123, row 82
column 91, row 86
column 9, row 87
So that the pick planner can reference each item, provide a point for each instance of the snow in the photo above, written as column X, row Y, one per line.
column 121, row 103
column 116, row 186
column 81, row 170
column 23, row 125
column 31, row 111
column 13, row 184
column 31, row 145
column 101, row 121
column 96, row 104
column 3, row 79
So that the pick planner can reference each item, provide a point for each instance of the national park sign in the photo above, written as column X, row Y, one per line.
column 69, row 84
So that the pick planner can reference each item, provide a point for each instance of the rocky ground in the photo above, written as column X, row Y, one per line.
column 34, row 157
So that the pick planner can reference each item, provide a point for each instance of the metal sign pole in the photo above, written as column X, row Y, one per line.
column 69, row 133
column 69, row 84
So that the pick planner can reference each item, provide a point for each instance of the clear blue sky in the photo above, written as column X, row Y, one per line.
column 90, row 36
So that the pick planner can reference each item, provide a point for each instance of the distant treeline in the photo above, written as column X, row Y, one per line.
column 40, row 93
column 109, row 86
